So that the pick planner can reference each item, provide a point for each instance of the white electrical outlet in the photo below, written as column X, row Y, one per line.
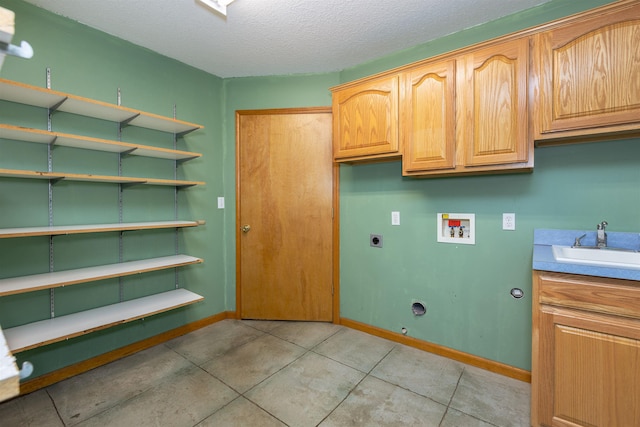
column 220, row 202
column 395, row 218
column 508, row 221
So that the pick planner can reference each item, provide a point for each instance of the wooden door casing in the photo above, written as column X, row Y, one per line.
column 285, row 193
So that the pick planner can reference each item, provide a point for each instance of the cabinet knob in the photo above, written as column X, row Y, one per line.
column 245, row 228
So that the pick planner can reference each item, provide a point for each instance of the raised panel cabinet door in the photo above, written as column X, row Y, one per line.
column 589, row 73
column 593, row 373
column 428, row 125
column 492, row 104
column 365, row 120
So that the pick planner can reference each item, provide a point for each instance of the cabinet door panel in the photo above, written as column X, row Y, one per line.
column 594, row 370
column 366, row 119
column 429, row 127
column 589, row 73
column 596, row 378
column 495, row 124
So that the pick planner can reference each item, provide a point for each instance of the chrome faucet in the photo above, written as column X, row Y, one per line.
column 601, row 235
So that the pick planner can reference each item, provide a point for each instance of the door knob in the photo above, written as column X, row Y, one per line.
column 245, row 228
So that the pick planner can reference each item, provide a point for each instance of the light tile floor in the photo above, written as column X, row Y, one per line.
column 265, row 373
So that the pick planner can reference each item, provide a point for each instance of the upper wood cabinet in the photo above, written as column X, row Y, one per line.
column 428, row 118
column 365, row 120
column 468, row 114
column 588, row 74
column 493, row 125
column 479, row 109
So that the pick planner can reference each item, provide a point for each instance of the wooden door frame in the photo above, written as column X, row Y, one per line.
column 335, row 215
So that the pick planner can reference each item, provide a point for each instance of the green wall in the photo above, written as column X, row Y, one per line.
column 465, row 288
column 91, row 64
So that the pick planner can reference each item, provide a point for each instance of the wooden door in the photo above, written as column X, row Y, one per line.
column 429, row 125
column 285, row 196
column 366, row 120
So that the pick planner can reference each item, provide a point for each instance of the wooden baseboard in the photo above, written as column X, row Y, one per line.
column 86, row 365
column 469, row 359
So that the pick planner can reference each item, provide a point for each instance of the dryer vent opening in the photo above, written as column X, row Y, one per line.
column 418, row 309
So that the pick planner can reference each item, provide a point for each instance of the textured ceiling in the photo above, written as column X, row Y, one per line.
column 279, row 37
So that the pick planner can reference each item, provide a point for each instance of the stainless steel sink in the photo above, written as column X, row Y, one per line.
column 600, row 257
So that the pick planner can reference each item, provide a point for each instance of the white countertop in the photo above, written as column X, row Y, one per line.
column 543, row 259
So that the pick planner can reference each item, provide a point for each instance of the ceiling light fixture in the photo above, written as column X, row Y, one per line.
column 219, row 6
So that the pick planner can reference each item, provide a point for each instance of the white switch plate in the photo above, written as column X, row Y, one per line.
column 508, row 221
column 220, row 202
column 395, row 218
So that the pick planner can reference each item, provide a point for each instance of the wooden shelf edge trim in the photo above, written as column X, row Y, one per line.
column 18, row 173
column 17, row 285
column 57, row 138
column 133, row 115
column 91, row 228
column 51, row 378
column 22, row 338
column 469, row 359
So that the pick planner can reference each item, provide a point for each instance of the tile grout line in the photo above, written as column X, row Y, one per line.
column 451, row 400
column 242, row 394
column 452, row 395
column 366, row 375
column 306, row 351
column 408, row 389
column 53, row 402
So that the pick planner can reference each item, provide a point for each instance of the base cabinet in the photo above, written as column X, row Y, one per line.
column 586, row 351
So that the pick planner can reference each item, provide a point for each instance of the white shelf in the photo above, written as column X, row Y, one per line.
column 48, row 331
column 17, row 285
column 47, row 98
column 36, row 334
column 6, row 233
column 75, row 141
column 9, row 374
column 18, row 173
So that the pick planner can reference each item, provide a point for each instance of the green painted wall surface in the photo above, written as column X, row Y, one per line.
column 465, row 288
column 92, row 64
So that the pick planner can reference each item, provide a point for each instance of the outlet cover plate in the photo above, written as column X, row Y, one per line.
column 509, row 221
